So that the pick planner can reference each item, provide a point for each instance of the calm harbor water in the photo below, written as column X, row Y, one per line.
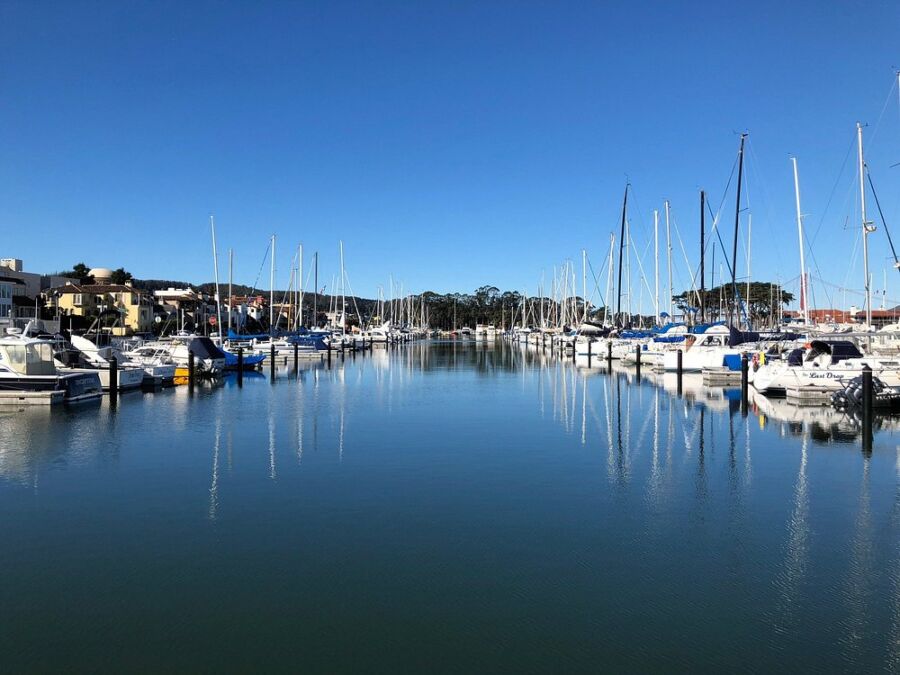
column 452, row 508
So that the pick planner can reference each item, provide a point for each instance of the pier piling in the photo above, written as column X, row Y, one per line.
column 868, row 401
column 637, row 362
column 272, row 361
column 113, row 380
column 590, row 349
column 296, row 357
column 679, row 371
column 608, row 353
column 191, row 367
column 745, row 370
column 240, row 367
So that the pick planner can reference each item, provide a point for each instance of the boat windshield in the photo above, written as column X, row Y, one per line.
column 29, row 359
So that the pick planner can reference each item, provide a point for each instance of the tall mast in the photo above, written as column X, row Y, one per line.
column 747, row 298
column 669, row 260
column 230, row 281
column 737, row 220
column 316, row 289
column 609, row 277
column 866, row 226
column 300, row 286
column 703, row 257
column 803, row 289
column 272, row 291
column 212, row 226
column 621, row 244
column 656, row 257
column 584, row 285
column 343, row 293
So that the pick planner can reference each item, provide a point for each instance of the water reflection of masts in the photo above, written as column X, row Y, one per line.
column 701, row 455
column 583, row 410
column 797, row 545
column 859, row 585
column 893, row 659
column 655, row 474
column 214, row 486
column 272, row 473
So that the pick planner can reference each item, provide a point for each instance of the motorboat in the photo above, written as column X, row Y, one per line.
column 820, row 364
column 79, row 354
column 29, row 375
column 158, row 368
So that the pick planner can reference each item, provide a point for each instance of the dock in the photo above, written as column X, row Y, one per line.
column 809, row 396
column 19, row 398
column 721, row 377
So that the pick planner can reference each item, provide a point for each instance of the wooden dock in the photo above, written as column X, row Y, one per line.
column 809, row 396
column 19, row 398
column 721, row 377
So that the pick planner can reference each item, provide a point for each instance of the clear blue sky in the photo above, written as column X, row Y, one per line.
column 451, row 144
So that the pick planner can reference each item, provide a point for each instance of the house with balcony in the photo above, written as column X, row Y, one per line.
column 123, row 309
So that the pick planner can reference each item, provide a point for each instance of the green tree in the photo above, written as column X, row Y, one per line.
column 120, row 276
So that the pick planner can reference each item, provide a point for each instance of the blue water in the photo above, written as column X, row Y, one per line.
column 447, row 508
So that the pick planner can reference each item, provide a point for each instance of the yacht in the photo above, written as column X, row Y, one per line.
column 822, row 365
column 158, row 369
column 72, row 358
column 28, row 374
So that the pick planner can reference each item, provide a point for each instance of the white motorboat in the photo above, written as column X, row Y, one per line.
column 28, row 374
column 822, row 365
column 158, row 369
column 80, row 355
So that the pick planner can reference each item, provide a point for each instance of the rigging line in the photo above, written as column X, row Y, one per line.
column 261, row 265
column 640, row 266
column 883, row 109
column 596, row 282
column 883, row 221
column 766, row 198
column 834, row 187
column 687, row 264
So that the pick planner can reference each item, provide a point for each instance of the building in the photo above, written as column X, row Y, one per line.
column 10, row 287
column 34, row 284
column 854, row 315
column 135, row 309
column 187, row 307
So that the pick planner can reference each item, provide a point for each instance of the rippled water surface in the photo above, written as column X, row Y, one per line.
column 447, row 508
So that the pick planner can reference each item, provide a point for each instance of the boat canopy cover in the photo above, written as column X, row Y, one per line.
column 795, row 358
column 736, row 337
column 204, row 348
column 840, row 350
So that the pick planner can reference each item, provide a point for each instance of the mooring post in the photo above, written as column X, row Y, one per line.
column 296, row 357
column 679, row 370
column 342, row 347
column 329, row 351
column 745, row 370
column 868, row 401
column 590, row 342
column 240, row 367
column 191, row 366
column 113, row 380
column 608, row 352
column 637, row 360
column 272, row 361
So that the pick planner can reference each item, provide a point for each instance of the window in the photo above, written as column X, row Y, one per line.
column 78, row 300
